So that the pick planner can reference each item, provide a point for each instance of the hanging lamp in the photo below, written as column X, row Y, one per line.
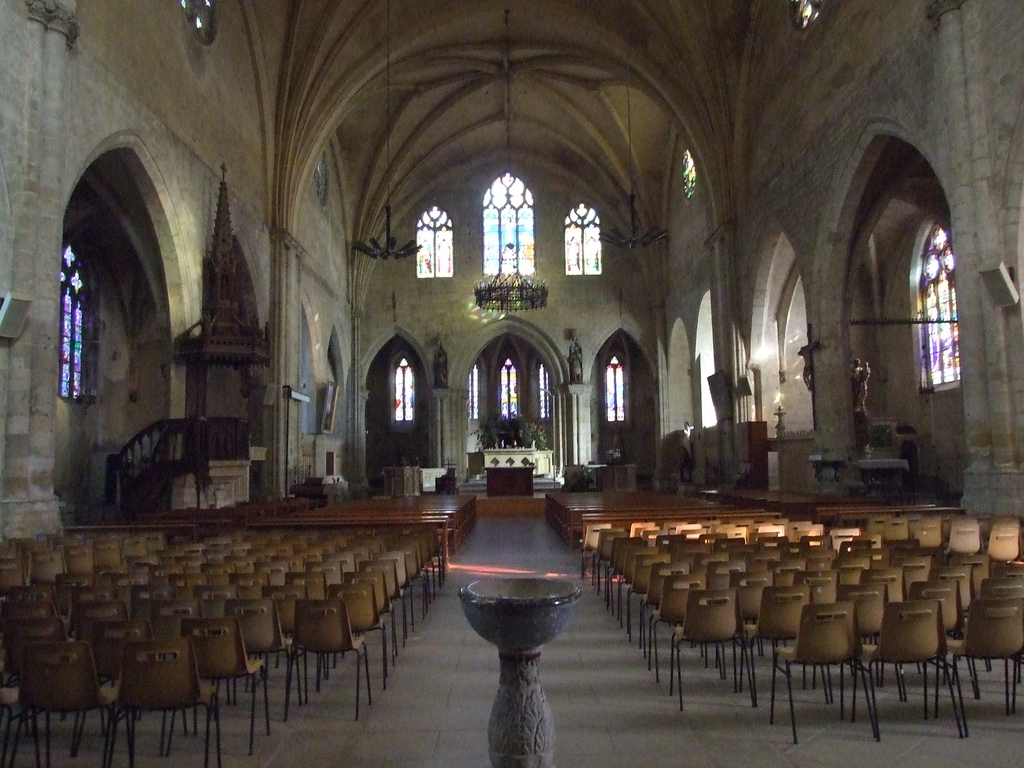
column 510, row 291
column 634, row 239
column 388, row 248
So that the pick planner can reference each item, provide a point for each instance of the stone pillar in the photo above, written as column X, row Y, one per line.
column 27, row 401
column 993, row 481
column 721, row 248
column 447, row 440
column 285, row 253
column 578, row 440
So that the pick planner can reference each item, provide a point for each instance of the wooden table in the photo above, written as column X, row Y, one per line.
column 510, row 481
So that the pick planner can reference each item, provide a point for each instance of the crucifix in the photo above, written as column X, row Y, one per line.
column 807, row 353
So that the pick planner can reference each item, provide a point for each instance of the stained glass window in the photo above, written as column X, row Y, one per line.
column 614, row 391
column 582, row 241
column 508, row 227
column 200, row 14
column 72, row 325
column 509, row 391
column 405, row 391
column 473, row 386
column 940, row 340
column 434, row 237
column 689, row 175
column 544, row 390
column 804, row 12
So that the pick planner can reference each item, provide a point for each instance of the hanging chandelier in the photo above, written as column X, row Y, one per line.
column 634, row 239
column 510, row 290
column 388, row 248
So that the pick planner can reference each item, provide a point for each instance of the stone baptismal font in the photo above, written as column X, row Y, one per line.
column 519, row 616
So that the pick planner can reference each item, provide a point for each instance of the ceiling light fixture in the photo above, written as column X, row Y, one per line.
column 613, row 236
column 387, row 249
column 510, row 291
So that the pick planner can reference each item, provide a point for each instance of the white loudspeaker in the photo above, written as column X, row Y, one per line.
column 720, row 396
column 13, row 312
column 1000, row 286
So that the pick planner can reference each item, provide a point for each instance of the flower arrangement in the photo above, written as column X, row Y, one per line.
column 512, row 432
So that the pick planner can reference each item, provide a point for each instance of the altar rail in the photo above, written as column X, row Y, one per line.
column 569, row 513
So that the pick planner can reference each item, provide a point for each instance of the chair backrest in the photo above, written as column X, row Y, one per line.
column 712, row 615
column 827, row 633
column 590, row 534
column 912, row 631
column 674, row 598
column 961, row 574
column 1004, row 540
column 996, row 628
column 821, row 583
column 58, row 676
column 749, row 588
column 258, row 622
column 315, row 584
column 84, row 614
column 159, row 674
column 896, row 529
column 1001, row 587
column 891, row 577
column 928, row 531
column 779, row 614
column 219, row 646
column 286, row 596
column 948, row 595
column 840, row 536
column 965, row 535
column 19, row 633
column 78, row 560
column 362, row 609
column 644, row 567
column 322, row 626
column 108, row 639
column 868, row 604
column 166, row 616
column 376, row 578
column 46, row 564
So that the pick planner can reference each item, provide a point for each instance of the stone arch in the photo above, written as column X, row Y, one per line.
column 182, row 275
column 635, row 439
column 373, row 349
column 704, row 360
column 462, row 361
column 680, row 393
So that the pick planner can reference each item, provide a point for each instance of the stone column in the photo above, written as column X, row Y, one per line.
column 285, row 253
column 993, row 480
column 579, row 442
column 721, row 248
column 447, row 440
column 27, row 502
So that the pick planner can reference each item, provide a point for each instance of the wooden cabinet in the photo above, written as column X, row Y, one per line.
column 752, row 454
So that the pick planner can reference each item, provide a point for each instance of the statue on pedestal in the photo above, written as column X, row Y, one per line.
column 575, row 362
column 440, row 367
column 860, row 372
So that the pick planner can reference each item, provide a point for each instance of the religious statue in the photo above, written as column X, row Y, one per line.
column 860, row 371
column 807, row 353
column 575, row 362
column 440, row 367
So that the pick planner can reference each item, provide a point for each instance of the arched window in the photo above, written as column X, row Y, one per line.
column 473, row 387
column 73, row 292
column 508, row 227
column 434, row 237
column 405, row 392
column 689, row 175
column 582, row 241
column 804, row 12
column 509, row 390
column 614, row 391
column 544, row 392
column 941, row 335
column 201, row 17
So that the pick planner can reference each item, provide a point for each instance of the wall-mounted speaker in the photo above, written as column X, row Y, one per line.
column 999, row 283
column 13, row 311
column 743, row 387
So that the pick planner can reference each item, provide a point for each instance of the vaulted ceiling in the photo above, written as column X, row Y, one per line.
column 570, row 64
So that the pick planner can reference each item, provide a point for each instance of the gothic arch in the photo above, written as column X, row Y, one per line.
column 374, row 348
column 461, row 364
column 677, row 381
column 182, row 275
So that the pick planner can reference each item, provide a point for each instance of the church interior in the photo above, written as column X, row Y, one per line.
column 271, row 255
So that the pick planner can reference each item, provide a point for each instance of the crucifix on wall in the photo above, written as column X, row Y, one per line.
column 807, row 353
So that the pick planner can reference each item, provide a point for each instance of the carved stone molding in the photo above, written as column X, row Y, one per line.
column 55, row 15
column 940, row 8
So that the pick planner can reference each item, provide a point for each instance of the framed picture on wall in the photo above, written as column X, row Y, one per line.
column 330, row 408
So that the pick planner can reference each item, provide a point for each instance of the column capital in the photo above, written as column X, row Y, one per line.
column 58, row 15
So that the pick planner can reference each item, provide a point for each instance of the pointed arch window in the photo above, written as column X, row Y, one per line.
column 544, row 392
column 614, row 391
column 74, row 297
column 804, row 12
column 405, row 392
column 582, row 241
column 434, row 236
column 509, row 390
column 689, row 175
column 941, row 336
column 473, row 387
column 508, row 228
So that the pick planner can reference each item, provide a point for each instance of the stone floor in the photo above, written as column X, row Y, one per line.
column 609, row 711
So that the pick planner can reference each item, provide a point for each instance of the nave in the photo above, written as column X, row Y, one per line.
column 609, row 712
